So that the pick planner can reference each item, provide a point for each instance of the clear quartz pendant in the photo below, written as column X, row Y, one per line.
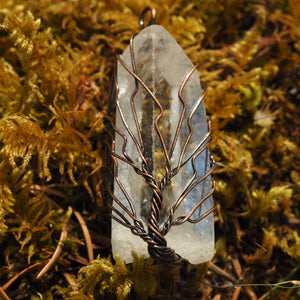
column 162, row 191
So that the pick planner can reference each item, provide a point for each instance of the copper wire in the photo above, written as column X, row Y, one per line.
column 144, row 12
column 124, row 213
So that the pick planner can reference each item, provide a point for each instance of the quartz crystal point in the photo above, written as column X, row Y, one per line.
column 162, row 65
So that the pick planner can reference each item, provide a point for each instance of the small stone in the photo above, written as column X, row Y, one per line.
column 162, row 65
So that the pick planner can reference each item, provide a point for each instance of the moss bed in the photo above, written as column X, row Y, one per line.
column 56, row 63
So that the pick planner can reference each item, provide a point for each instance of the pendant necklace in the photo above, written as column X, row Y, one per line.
column 160, row 186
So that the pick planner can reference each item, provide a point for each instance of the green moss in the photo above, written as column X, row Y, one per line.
column 104, row 278
column 56, row 64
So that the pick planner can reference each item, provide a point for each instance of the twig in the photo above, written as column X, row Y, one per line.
column 2, row 270
column 221, row 272
column 100, row 239
column 80, row 259
column 61, row 260
column 94, row 125
column 70, row 280
column 236, row 293
column 3, row 294
column 59, row 248
column 66, row 261
column 86, row 234
column 9, row 282
column 295, row 221
column 239, row 273
column 285, row 280
column 35, row 188
column 294, row 284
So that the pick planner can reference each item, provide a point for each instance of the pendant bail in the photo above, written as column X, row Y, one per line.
column 142, row 16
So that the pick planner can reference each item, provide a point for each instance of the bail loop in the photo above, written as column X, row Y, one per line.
column 142, row 16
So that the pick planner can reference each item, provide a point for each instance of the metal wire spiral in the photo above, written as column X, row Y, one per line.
column 154, row 234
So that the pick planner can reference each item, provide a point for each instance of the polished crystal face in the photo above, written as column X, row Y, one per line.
column 153, row 140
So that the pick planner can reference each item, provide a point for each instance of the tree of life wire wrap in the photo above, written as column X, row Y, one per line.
column 159, row 218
